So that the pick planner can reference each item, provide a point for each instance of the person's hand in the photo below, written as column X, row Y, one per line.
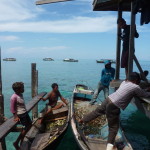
column 41, row 98
column 81, row 121
column 16, row 119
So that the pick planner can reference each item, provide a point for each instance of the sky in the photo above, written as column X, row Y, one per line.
column 63, row 30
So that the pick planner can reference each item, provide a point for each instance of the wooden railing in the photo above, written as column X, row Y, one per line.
column 9, row 124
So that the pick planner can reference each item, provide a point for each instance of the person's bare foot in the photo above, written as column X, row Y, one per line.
column 16, row 146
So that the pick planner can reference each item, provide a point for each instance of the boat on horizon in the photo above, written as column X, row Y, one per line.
column 48, row 59
column 9, row 59
column 70, row 60
column 92, row 135
column 103, row 60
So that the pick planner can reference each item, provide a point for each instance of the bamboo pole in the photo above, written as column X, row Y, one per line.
column 34, row 88
column 2, row 143
column 131, row 41
column 118, row 45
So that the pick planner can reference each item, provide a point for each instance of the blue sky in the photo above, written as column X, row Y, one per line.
column 61, row 30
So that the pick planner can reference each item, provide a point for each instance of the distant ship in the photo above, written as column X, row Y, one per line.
column 9, row 59
column 70, row 60
column 48, row 59
column 103, row 60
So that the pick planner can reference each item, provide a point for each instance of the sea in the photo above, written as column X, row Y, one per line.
column 67, row 74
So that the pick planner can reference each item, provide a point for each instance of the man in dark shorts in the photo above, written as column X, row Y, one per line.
column 53, row 100
column 125, row 35
column 17, row 107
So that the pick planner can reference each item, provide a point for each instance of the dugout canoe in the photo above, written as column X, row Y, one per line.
column 93, row 135
column 48, row 134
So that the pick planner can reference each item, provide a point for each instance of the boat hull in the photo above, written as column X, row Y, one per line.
column 91, row 139
column 48, row 134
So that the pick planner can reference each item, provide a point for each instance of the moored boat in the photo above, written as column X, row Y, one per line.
column 49, row 133
column 70, row 60
column 9, row 59
column 93, row 135
column 103, row 60
column 48, row 59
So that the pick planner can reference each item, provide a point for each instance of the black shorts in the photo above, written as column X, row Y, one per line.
column 25, row 120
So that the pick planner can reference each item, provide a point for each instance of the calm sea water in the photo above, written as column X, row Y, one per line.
column 67, row 75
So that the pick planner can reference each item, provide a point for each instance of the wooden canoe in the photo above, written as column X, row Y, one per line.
column 49, row 133
column 93, row 135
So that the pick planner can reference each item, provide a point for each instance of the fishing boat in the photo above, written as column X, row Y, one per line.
column 48, row 134
column 48, row 59
column 92, row 135
column 70, row 60
column 9, row 59
column 103, row 60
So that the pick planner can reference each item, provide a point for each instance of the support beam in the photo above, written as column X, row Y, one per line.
column 2, row 143
column 34, row 88
column 131, row 41
column 140, row 68
column 118, row 47
column 41, row 2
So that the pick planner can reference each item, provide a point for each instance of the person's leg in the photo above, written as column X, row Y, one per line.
column 25, row 121
column 45, row 115
column 126, row 71
column 96, row 93
column 59, row 105
column 112, row 113
column 100, row 110
column 106, row 92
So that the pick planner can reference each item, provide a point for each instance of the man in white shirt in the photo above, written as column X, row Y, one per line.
column 113, row 103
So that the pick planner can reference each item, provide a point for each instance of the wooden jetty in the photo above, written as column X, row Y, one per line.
column 9, row 125
column 120, row 6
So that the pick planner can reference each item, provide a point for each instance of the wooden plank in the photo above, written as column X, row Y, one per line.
column 40, row 141
column 57, row 111
column 34, row 83
column 41, row 2
column 7, row 126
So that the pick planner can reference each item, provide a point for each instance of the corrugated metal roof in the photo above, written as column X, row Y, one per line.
column 111, row 5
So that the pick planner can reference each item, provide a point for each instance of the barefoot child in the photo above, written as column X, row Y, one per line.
column 17, row 107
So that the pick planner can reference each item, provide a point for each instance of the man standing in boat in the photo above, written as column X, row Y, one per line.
column 53, row 100
column 113, row 103
column 107, row 75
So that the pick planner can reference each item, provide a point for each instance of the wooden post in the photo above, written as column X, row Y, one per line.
column 140, row 68
column 118, row 46
column 131, row 41
column 2, row 143
column 34, row 89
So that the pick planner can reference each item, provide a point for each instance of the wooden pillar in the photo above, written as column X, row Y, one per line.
column 34, row 88
column 2, row 143
column 131, row 41
column 118, row 46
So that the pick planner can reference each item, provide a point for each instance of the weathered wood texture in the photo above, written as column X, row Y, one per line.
column 41, row 2
column 7, row 126
column 131, row 42
column 34, row 85
column 118, row 46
